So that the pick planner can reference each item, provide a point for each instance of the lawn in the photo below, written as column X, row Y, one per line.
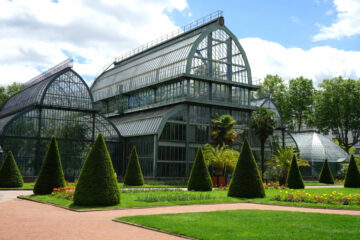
column 253, row 224
column 169, row 197
column 317, row 183
column 25, row 186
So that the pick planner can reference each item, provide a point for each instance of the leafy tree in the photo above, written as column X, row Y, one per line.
column 10, row 90
column 222, row 130
column 246, row 181
column 263, row 123
column 199, row 179
column 301, row 98
column 10, row 175
column 51, row 173
column 294, row 179
column 97, row 185
column 352, row 178
column 281, row 158
column 133, row 174
column 220, row 156
column 337, row 108
column 325, row 174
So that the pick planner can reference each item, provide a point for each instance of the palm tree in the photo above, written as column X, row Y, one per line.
column 222, row 130
column 263, row 124
column 281, row 158
column 220, row 157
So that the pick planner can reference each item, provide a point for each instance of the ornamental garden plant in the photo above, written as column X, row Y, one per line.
column 133, row 175
column 10, row 175
column 97, row 185
column 325, row 174
column 51, row 173
column 352, row 178
column 294, row 179
column 199, row 179
column 246, row 181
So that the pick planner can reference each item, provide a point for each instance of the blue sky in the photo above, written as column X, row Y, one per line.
column 316, row 39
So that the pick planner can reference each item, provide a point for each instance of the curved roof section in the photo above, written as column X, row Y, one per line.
column 209, row 51
column 268, row 104
column 315, row 147
column 62, row 89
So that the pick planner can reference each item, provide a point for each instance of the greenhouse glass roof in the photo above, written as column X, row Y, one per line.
column 315, row 147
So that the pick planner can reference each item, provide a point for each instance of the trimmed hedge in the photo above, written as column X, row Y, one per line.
column 97, row 185
column 133, row 175
column 294, row 179
column 10, row 175
column 51, row 173
column 352, row 178
column 325, row 174
column 199, row 179
column 246, row 181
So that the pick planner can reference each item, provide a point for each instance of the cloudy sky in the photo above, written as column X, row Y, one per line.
column 314, row 38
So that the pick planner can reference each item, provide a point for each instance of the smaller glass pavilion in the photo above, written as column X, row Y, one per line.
column 315, row 148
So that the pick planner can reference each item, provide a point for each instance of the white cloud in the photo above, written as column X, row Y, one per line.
column 35, row 35
column 295, row 19
column 317, row 63
column 347, row 23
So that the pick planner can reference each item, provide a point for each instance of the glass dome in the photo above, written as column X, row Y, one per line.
column 314, row 147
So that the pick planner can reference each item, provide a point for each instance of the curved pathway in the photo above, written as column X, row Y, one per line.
column 21, row 219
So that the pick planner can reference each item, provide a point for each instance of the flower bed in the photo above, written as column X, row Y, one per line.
column 334, row 197
column 64, row 192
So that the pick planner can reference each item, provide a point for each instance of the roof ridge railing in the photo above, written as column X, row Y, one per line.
column 57, row 68
column 170, row 35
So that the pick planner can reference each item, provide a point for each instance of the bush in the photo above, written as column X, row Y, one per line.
column 10, row 175
column 97, row 185
column 133, row 175
column 246, row 181
column 294, row 179
column 352, row 178
column 51, row 173
column 199, row 179
column 325, row 174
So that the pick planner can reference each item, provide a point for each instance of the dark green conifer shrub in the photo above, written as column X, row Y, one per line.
column 51, row 173
column 133, row 175
column 294, row 179
column 97, row 185
column 246, row 181
column 199, row 179
column 352, row 178
column 10, row 175
column 325, row 174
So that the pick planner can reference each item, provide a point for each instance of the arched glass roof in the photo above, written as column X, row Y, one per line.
column 268, row 104
column 315, row 147
column 210, row 51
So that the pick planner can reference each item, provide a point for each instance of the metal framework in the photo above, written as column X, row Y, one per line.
column 60, row 105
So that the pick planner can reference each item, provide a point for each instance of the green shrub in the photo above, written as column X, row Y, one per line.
column 246, row 181
column 133, row 175
column 10, row 175
column 199, row 179
column 325, row 174
column 97, row 185
column 294, row 179
column 352, row 178
column 51, row 173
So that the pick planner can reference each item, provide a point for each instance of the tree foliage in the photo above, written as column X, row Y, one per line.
column 133, row 174
column 220, row 156
column 337, row 108
column 6, row 93
column 352, row 178
column 199, row 179
column 325, row 174
column 222, row 130
column 263, row 124
column 10, row 175
column 294, row 179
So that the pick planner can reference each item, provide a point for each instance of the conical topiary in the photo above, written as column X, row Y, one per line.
column 352, row 178
column 51, row 173
column 133, row 174
column 97, row 185
column 294, row 179
column 325, row 174
column 199, row 179
column 246, row 181
column 10, row 175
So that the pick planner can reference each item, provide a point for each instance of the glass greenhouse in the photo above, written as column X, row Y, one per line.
column 56, row 103
column 315, row 148
column 162, row 97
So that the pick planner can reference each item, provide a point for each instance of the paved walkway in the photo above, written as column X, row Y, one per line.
column 21, row 219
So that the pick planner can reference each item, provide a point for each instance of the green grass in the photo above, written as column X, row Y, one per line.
column 317, row 183
column 168, row 197
column 253, row 224
column 25, row 186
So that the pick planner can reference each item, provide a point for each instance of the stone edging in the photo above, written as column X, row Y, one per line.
column 153, row 229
